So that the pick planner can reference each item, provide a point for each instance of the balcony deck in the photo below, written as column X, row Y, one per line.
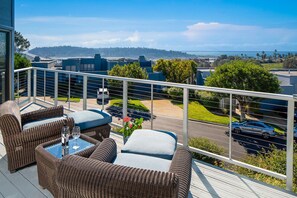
column 207, row 180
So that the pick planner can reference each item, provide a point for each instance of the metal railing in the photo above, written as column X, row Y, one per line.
column 47, row 85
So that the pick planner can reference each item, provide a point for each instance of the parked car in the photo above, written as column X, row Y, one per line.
column 102, row 93
column 254, row 127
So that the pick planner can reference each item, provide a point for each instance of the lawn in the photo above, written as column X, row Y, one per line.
column 199, row 112
column 132, row 104
column 277, row 129
column 271, row 66
column 64, row 99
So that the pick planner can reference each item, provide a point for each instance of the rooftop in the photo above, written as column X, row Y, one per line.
column 207, row 180
column 285, row 73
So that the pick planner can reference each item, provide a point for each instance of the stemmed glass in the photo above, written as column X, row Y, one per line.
column 76, row 135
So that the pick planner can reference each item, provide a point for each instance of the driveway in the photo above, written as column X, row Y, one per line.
column 164, row 108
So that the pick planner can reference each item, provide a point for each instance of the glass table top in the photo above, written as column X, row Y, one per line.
column 56, row 149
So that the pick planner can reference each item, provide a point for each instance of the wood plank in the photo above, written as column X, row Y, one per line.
column 2, row 150
column 21, row 183
column 240, row 182
column 215, row 189
column 8, row 189
column 30, row 173
column 197, row 192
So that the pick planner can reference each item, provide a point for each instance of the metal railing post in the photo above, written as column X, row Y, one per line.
column 185, row 117
column 69, row 84
column 290, row 145
column 18, row 86
column 230, row 126
column 125, row 98
column 29, row 85
column 152, row 106
column 85, row 91
column 44, row 85
column 34, row 84
column 103, row 85
column 56, row 89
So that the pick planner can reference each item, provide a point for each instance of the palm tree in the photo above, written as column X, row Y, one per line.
column 258, row 56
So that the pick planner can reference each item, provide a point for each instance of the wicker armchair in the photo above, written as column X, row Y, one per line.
column 20, row 144
column 96, row 176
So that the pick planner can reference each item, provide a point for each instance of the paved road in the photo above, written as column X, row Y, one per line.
column 241, row 143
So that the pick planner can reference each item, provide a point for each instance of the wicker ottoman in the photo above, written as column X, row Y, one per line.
column 47, row 163
column 93, row 123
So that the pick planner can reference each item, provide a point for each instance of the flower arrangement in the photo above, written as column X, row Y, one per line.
column 131, row 125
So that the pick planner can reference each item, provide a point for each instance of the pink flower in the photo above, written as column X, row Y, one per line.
column 126, row 119
column 131, row 125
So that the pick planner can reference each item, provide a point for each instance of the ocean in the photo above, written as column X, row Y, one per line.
column 214, row 54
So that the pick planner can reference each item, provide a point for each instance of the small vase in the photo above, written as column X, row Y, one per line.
column 125, row 139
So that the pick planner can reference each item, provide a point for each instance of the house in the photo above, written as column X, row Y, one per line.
column 288, row 81
column 43, row 63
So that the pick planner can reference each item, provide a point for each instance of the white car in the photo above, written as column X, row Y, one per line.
column 102, row 93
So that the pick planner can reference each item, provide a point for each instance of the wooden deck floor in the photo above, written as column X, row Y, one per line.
column 207, row 180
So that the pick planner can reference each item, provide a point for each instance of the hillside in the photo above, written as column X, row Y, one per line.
column 68, row 51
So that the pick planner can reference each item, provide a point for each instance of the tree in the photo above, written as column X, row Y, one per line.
column 275, row 55
column 130, row 71
column 21, row 61
column 290, row 62
column 224, row 59
column 258, row 55
column 243, row 75
column 178, row 71
column 21, row 43
column 264, row 55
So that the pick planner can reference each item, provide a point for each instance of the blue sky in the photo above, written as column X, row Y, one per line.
column 212, row 25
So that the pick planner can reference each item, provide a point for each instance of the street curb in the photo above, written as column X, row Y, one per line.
column 205, row 122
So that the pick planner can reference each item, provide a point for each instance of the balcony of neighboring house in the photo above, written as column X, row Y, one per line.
column 222, row 158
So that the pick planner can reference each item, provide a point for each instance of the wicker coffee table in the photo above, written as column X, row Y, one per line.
column 49, row 154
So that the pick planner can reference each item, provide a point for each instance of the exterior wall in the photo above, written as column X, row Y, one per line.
column 201, row 75
column 85, row 64
column 73, row 63
column 288, row 84
column 47, row 65
column 156, row 76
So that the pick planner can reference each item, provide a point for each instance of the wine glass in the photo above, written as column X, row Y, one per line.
column 76, row 135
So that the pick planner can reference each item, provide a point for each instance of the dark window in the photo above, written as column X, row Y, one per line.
column 3, row 64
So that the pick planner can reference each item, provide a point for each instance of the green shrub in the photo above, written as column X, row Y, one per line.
column 207, row 99
column 274, row 160
column 175, row 92
column 206, row 145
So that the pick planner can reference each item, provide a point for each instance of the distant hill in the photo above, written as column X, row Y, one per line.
column 68, row 51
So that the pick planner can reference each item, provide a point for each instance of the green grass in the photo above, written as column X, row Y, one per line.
column 199, row 112
column 277, row 129
column 132, row 104
column 271, row 66
column 72, row 99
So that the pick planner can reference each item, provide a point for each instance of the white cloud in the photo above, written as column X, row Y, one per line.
column 98, row 39
column 100, row 32
column 238, row 37
column 134, row 38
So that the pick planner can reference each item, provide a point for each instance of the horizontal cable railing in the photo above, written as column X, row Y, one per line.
column 190, row 111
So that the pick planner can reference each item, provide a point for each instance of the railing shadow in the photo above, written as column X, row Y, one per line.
column 204, row 180
column 118, row 112
column 254, row 144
